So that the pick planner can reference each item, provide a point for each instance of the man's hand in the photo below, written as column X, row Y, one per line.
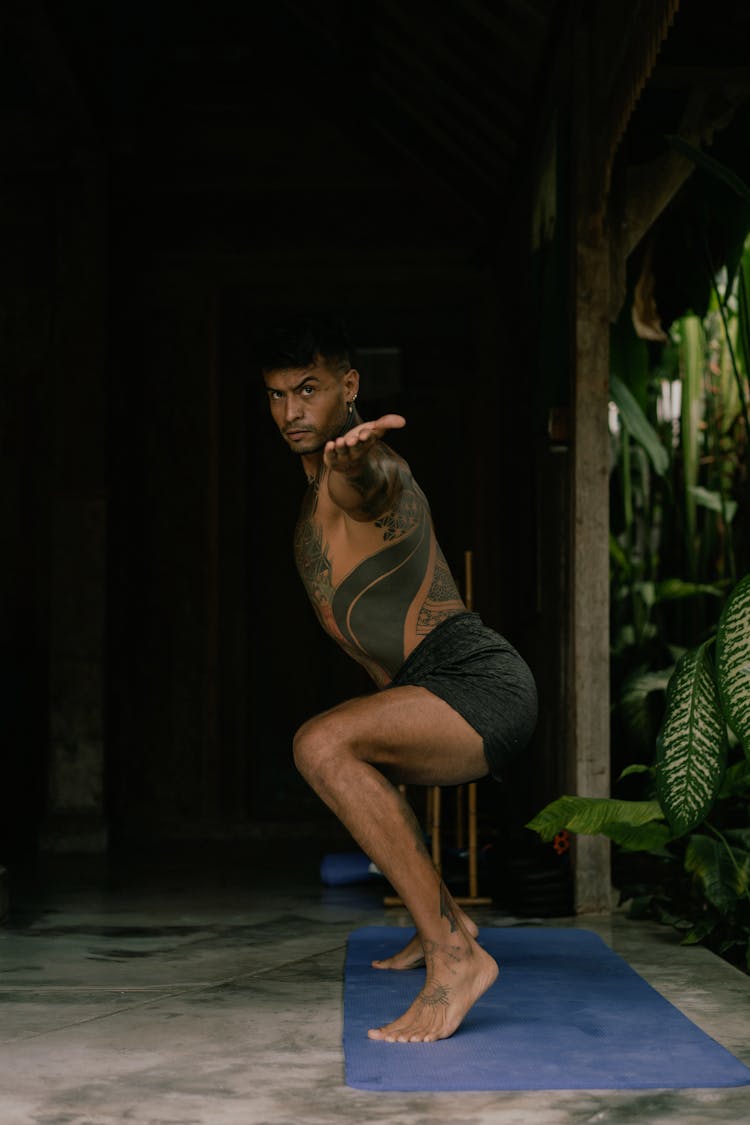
column 361, row 483
column 346, row 454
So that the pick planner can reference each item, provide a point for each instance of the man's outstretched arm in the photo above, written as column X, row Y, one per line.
column 361, row 480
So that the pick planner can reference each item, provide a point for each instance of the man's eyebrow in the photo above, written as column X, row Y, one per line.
column 311, row 378
column 307, row 379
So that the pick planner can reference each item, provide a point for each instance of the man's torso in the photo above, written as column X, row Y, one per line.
column 378, row 588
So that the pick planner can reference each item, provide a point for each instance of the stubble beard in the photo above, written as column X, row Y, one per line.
column 336, row 431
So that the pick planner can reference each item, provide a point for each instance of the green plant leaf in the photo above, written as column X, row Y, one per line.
column 638, row 425
column 591, row 816
column 712, row 500
column 673, row 588
column 618, row 555
column 651, row 837
column 736, row 781
column 738, row 836
column 721, row 879
column 634, row 704
column 692, row 362
column 691, row 747
column 635, row 768
column 700, row 930
column 733, row 661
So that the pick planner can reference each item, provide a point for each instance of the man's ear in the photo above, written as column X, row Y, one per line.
column 351, row 382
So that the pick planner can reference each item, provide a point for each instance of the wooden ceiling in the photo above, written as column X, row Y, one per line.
column 449, row 88
column 421, row 104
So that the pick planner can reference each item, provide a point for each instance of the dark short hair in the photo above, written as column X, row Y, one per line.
column 298, row 340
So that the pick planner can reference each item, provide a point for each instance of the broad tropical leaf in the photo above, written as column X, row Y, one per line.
column 723, row 876
column 591, row 816
column 639, row 425
column 733, row 661
column 651, row 837
column 691, row 747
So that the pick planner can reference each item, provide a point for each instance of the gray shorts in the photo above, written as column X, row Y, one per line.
column 482, row 677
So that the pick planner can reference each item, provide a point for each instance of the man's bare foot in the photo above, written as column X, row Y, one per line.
column 458, row 972
column 412, row 955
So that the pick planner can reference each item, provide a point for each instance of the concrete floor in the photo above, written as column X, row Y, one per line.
column 177, row 994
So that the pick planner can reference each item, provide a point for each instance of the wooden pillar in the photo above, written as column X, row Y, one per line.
column 589, row 754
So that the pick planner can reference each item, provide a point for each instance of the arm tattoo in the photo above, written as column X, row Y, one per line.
column 373, row 485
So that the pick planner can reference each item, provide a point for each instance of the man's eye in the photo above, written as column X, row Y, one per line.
column 275, row 396
column 308, row 390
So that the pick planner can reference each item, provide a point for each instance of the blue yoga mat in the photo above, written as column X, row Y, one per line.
column 566, row 1013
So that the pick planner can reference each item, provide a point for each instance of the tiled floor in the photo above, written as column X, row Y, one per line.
column 178, row 994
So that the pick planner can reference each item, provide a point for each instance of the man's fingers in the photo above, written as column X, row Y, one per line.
column 390, row 422
column 353, row 444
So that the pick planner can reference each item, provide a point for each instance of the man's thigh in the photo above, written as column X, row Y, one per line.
column 413, row 736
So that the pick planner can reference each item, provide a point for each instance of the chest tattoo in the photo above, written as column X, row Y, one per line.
column 402, row 519
column 367, row 610
column 311, row 552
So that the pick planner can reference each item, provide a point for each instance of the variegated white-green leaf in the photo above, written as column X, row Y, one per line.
column 733, row 661
column 691, row 748
column 591, row 816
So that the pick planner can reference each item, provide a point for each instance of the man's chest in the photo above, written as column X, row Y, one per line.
column 328, row 547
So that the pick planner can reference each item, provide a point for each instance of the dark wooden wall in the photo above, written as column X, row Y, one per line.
column 158, row 651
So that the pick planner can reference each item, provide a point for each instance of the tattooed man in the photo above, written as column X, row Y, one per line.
column 455, row 700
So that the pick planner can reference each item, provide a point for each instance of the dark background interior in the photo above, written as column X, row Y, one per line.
column 176, row 173
column 181, row 172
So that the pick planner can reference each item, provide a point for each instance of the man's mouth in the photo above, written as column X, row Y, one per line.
column 295, row 435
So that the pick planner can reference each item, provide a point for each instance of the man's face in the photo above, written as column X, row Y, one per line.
column 310, row 405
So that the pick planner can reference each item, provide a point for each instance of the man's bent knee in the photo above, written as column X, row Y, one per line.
column 318, row 744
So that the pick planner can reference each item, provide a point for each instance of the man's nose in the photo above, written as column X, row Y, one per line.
column 292, row 408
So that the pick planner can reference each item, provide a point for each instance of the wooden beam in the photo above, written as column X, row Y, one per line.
column 589, row 656
column 650, row 187
column 488, row 177
column 589, row 759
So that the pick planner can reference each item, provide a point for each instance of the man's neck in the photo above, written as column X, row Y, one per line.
column 312, row 462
